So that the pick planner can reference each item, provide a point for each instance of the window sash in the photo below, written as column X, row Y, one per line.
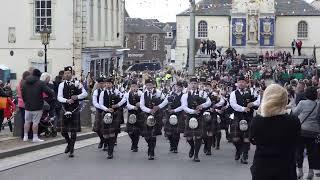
column 42, row 14
column 202, row 29
column 155, row 43
column 302, row 30
column 141, row 42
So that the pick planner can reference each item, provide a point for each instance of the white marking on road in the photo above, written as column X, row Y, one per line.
column 22, row 159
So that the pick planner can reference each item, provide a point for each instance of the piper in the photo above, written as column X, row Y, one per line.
column 194, row 105
column 242, row 101
column 69, row 94
column 152, row 102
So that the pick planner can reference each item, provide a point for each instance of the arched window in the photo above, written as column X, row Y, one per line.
column 203, row 29
column 302, row 29
column 155, row 42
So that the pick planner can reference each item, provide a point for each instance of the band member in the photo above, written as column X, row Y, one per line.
column 212, row 122
column 111, row 118
column 194, row 104
column 175, row 123
column 98, row 117
column 69, row 94
column 152, row 102
column 135, row 121
column 242, row 102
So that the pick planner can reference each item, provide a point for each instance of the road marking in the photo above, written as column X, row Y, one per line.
column 22, row 159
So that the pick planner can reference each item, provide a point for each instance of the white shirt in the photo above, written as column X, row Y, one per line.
column 60, row 97
column 184, row 102
column 130, row 106
column 101, row 98
column 180, row 108
column 158, row 95
column 237, row 107
column 95, row 98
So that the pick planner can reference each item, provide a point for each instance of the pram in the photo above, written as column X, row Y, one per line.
column 46, row 124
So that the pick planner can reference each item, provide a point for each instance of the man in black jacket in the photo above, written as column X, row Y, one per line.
column 32, row 95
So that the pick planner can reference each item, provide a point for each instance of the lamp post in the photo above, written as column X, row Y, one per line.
column 45, row 38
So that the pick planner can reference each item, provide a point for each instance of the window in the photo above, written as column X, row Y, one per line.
column 169, row 34
column 202, row 29
column 141, row 42
column 126, row 42
column 302, row 29
column 43, row 14
column 155, row 43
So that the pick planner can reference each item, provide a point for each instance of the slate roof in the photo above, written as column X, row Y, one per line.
column 137, row 25
column 295, row 8
column 283, row 8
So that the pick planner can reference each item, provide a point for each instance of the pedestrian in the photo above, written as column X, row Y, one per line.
column 69, row 95
column 111, row 118
column 32, row 91
column 308, row 113
column 194, row 103
column 152, row 103
column 98, row 116
column 275, row 135
column 299, row 47
column 293, row 46
column 3, row 103
column 242, row 102
column 21, row 103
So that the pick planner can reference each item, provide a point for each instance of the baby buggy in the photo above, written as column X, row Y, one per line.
column 46, row 125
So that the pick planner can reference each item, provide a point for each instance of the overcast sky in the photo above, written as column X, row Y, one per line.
column 164, row 10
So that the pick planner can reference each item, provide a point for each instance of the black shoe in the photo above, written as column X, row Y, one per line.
column 67, row 150
column 244, row 161
column 218, row 148
column 191, row 152
column 205, row 150
column 237, row 156
column 175, row 151
column 151, row 157
column 208, row 153
column 105, row 146
column 110, row 156
column 171, row 149
column 135, row 150
column 71, row 155
column 132, row 148
column 196, row 159
column 100, row 145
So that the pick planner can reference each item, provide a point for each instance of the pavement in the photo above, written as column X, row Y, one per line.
column 91, row 163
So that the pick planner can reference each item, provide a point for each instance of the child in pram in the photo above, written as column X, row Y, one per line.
column 46, row 124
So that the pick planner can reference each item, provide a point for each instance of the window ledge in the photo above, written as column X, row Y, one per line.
column 306, row 38
column 37, row 37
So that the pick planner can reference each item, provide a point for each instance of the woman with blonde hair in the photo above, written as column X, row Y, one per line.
column 275, row 134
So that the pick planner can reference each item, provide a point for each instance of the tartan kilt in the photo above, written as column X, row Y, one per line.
column 235, row 131
column 199, row 131
column 147, row 131
column 137, row 127
column 114, row 127
column 69, row 125
column 175, row 129
column 97, row 122
column 225, row 121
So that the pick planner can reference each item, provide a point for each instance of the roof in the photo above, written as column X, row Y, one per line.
column 283, row 8
column 137, row 25
column 295, row 8
column 210, row 8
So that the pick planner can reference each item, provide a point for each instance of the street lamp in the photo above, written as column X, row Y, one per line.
column 45, row 39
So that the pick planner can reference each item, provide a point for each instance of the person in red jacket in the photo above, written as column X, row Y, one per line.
column 299, row 47
column 8, row 112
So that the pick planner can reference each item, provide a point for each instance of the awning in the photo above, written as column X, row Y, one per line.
column 3, row 67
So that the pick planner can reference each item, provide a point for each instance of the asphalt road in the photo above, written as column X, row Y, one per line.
column 92, row 164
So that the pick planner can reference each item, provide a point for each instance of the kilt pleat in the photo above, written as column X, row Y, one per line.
column 69, row 125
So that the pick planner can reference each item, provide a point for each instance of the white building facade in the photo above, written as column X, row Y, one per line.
column 250, row 26
column 76, row 25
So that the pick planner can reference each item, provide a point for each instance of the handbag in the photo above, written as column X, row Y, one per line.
column 306, row 133
column 3, row 102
